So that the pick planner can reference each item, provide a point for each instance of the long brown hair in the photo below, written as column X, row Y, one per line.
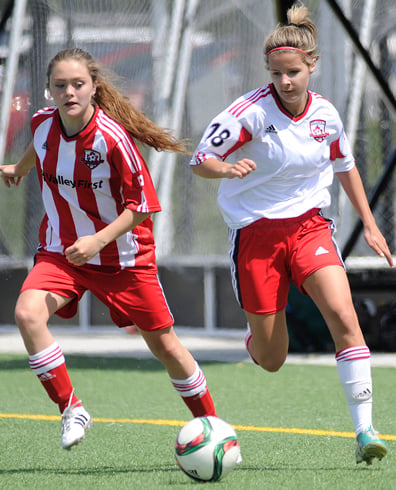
column 117, row 106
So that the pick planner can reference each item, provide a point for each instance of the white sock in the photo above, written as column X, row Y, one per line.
column 354, row 370
column 192, row 385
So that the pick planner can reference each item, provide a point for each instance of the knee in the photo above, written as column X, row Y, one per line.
column 166, row 352
column 22, row 315
column 345, row 317
column 345, row 329
column 271, row 368
column 26, row 315
column 163, row 353
column 269, row 359
column 270, row 364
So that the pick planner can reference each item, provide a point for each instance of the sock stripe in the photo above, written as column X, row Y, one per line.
column 353, row 353
column 190, row 386
column 199, row 382
column 46, row 361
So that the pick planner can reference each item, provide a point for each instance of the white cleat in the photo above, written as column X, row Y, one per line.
column 75, row 421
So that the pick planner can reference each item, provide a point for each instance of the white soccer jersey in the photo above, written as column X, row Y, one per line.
column 87, row 181
column 296, row 157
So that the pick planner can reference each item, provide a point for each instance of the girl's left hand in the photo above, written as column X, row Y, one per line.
column 377, row 242
column 83, row 249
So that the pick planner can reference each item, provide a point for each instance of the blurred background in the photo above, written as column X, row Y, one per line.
column 182, row 62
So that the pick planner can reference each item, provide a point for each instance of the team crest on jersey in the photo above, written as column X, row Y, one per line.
column 92, row 158
column 318, row 130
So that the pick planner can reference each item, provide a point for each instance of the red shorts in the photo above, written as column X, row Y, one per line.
column 132, row 297
column 269, row 253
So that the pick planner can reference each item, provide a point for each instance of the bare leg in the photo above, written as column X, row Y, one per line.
column 330, row 291
column 33, row 309
column 32, row 312
column 185, row 374
column 270, row 340
column 168, row 349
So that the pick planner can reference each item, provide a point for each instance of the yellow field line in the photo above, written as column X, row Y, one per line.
column 180, row 423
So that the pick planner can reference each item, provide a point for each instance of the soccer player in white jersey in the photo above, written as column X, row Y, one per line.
column 276, row 150
column 96, row 233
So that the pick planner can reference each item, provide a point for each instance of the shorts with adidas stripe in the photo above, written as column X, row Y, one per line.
column 269, row 253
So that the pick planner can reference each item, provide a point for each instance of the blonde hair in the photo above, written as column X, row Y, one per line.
column 117, row 106
column 300, row 33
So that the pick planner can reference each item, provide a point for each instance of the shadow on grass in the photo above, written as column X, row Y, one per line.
column 10, row 362
column 111, row 470
column 105, row 470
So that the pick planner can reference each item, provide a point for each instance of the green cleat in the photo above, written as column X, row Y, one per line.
column 369, row 446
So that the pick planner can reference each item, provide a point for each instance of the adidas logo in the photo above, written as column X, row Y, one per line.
column 321, row 251
column 44, row 146
column 364, row 395
column 271, row 129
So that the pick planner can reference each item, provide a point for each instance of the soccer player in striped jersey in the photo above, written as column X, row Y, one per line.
column 276, row 150
column 97, row 231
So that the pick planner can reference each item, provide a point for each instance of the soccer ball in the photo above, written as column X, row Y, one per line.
column 207, row 448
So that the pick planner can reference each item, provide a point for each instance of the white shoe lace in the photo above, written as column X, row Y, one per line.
column 68, row 411
column 70, row 421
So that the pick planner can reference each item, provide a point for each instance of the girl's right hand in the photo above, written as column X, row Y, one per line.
column 11, row 175
column 242, row 168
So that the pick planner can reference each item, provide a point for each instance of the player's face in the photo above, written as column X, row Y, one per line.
column 72, row 89
column 290, row 76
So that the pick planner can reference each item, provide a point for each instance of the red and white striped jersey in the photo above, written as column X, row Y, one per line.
column 296, row 157
column 87, row 181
